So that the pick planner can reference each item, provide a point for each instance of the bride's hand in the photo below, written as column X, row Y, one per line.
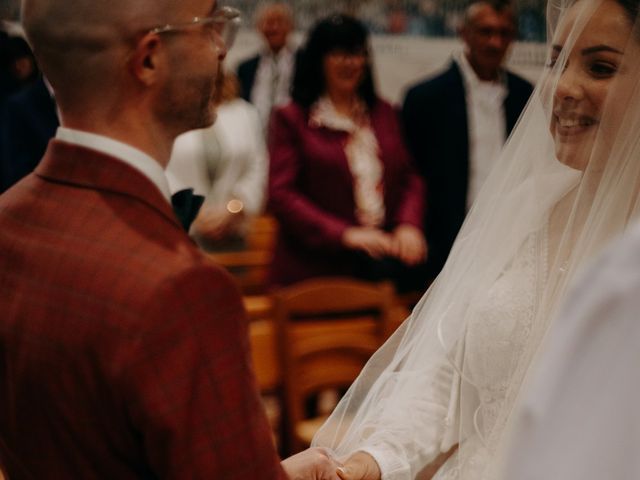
column 360, row 466
column 311, row 464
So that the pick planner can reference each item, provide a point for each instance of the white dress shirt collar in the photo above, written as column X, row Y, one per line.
column 486, row 123
column 470, row 76
column 128, row 154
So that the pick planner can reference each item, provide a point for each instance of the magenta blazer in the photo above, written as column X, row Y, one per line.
column 311, row 191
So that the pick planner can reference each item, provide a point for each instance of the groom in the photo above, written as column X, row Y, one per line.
column 124, row 352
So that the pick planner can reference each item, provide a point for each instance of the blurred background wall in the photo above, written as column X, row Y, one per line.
column 411, row 38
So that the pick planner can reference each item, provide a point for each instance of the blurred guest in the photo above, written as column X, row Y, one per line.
column 457, row 122
column 18, row 65
column 28, row 120
column 341, row 182
column 227, row 163
column 266, row 78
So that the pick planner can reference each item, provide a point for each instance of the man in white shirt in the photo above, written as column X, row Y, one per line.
column 457, row 122
column 578, row 419
column 266, row 78
column 124, row 350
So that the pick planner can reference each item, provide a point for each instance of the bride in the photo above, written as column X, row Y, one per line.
column 438, row 396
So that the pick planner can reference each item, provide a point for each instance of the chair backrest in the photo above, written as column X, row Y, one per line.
column 250, row 266
column 266, row 364
column 327, row 330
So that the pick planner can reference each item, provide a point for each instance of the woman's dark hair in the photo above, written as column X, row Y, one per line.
column 337, row 32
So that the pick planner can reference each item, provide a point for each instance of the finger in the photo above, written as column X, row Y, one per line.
column 343, row 473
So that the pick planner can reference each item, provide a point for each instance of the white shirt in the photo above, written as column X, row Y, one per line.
column 126, row 153
column 225, row 161
column 579, row 417
column 272, row 82
column 486, row 124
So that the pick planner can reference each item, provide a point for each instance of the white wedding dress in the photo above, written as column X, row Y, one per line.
column 492, row 346
column 454, row 371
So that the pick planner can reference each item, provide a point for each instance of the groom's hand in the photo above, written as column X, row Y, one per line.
column 360, row 466
column 311, row 464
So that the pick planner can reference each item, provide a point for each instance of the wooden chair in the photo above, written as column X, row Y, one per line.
column 327, row 330
column 266, row 366
column 250, row 266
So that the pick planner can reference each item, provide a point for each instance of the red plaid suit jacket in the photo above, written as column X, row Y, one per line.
column 123, row 352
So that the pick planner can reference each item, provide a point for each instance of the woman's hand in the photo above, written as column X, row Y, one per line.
column 409, row 245
column 360, row 466
column 375, row 242
column 216, row 222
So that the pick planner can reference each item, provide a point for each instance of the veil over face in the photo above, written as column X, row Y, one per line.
column 566, row 182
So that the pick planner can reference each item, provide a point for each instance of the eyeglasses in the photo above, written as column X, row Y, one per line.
column 224, row 22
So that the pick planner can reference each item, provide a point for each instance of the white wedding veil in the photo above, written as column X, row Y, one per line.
column 566, row 182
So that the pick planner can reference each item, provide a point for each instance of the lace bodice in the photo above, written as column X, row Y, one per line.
column 496, row 334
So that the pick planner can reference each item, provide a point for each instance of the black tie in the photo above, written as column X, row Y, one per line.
column 186, row 205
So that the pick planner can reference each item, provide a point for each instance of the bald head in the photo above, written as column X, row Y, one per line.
column 274, row 20
column 82, row 45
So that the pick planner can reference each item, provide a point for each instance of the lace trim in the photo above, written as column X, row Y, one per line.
column 363, row 155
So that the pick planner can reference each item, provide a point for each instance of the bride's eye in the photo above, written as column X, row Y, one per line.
column 602, row 69
column 554, row 55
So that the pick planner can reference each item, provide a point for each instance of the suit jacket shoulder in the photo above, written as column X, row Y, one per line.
column 519, row 92
column 445, row 83
column 247, row 74
column 516, row 83
column 147, row 337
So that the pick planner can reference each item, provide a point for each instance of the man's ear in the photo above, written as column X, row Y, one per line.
column 147, row 60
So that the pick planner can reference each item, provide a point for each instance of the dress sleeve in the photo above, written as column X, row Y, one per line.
column 413, row 428
column 301, row 217
column 189, row 383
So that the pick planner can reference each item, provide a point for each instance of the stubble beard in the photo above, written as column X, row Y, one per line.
column 188, row 105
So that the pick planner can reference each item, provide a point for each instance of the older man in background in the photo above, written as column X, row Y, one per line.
column 266, row 78
column 124, row 351
column 457, row 122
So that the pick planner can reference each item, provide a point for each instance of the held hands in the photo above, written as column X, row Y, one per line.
column 360, row 466
column 409, row 245
column 312, row 464
column 374, row 242
column 406, row 243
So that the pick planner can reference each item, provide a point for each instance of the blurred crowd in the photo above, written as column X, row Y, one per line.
column 357, row 186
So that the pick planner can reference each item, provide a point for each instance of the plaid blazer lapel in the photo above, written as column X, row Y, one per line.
column 75, row 165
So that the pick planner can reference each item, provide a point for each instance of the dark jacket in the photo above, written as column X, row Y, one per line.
column 436, row 128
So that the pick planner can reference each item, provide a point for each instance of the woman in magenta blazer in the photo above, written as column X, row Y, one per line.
column 341, row 183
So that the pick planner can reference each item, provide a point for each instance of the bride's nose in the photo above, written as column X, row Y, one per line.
column 569, row 85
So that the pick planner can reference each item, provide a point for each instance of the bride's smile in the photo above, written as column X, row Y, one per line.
column 589, row 71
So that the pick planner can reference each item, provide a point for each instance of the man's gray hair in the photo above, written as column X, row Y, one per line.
column 267, row 6
column 475, row 6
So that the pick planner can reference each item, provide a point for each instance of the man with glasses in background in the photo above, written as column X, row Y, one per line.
column 124, row 352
